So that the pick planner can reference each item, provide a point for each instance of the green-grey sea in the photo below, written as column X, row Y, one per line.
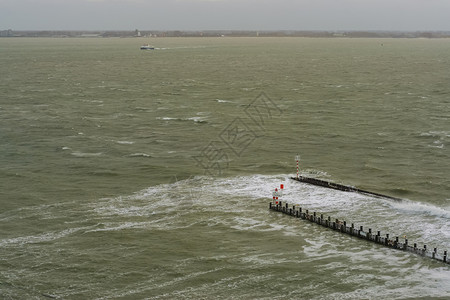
column 146, row 174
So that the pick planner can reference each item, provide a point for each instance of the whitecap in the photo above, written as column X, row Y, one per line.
column 197, row 119
column 124, row 142
column 167, row 118
column 83, row 154
column 139, row 155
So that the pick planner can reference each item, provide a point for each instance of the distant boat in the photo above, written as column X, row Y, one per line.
column 147, row 47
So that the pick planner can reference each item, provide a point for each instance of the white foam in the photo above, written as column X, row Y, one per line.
column 197, row 119
column 139, row 155
column 416, row 208
column 45, row 237
column 237, row 195
column 83, row 154
column 125, row 142
column 120, row 226
column 167, row 118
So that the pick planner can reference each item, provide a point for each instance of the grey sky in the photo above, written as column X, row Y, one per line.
column 408, row 15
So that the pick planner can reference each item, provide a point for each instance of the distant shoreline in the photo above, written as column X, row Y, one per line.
column 223, row 33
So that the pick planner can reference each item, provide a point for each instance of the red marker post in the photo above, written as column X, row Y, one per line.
column 275, row 195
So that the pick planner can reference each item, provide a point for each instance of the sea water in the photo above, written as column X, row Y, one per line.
column 130, row 174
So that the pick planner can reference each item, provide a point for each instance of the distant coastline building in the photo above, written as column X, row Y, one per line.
column 90, row 35
column 6, row 33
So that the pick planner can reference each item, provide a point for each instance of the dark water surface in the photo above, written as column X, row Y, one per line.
column 129, row 174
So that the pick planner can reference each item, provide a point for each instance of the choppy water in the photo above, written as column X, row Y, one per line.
column 129, row 174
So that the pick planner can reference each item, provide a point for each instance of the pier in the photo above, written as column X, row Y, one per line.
column 341, row 187
column 343, row 228
column 336, row 186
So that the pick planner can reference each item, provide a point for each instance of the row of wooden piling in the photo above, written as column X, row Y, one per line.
column 340, row 187
column 341, row 226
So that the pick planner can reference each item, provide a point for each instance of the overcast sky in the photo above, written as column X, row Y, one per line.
column 407, row 15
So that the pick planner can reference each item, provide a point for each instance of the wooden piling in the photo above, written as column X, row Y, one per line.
column 341, row 226
column 340, row 187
